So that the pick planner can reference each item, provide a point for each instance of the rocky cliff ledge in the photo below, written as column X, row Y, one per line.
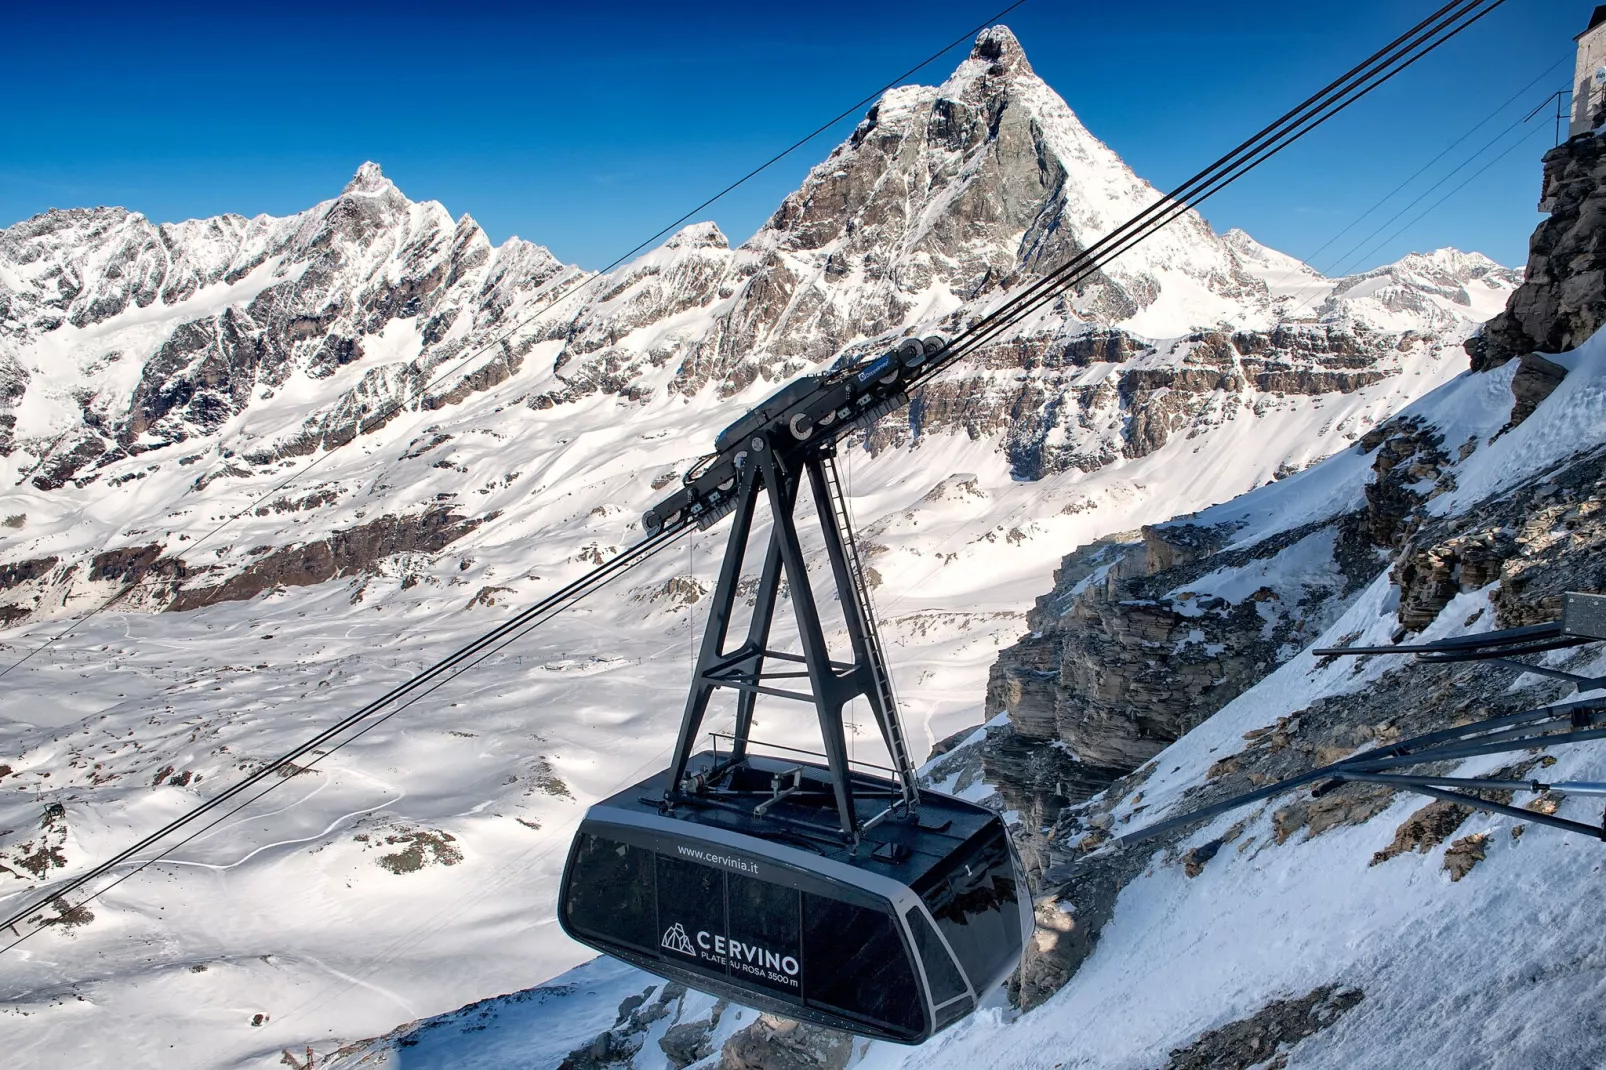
column 1562, row 300
column 1145, row 635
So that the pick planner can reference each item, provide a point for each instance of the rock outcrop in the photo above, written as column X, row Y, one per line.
column 1562, row 299
column 1134, row 646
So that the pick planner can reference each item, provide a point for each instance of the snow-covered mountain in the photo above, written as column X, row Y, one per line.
column 202, row 418
column 1171, row 668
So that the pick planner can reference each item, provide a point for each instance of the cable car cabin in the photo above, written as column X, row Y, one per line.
column 897, row 940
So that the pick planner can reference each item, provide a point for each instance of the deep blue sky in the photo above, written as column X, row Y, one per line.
column 587, row 127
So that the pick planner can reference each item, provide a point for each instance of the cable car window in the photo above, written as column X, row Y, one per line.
column 976, row 910
column 941, row 973
column 947, row 1016
column 610, row 892
column 855, row 961
column 691, row 914
column 764, row 943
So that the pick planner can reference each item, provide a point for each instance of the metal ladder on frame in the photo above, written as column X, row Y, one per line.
column 892, row 730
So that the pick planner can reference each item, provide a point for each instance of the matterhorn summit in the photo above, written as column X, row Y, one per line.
column 369, row 179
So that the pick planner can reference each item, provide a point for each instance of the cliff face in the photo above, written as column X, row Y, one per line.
column 1482, row 503
column 1562, row 299
column 1143, row 638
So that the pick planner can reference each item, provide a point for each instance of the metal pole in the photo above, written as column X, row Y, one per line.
column 829, row 692
column 719, row 614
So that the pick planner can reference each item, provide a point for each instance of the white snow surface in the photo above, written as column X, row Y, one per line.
column 1505, row 968
column 279, row 927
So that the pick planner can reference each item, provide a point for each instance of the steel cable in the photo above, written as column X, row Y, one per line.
column 1383, row 65
column 459, row 661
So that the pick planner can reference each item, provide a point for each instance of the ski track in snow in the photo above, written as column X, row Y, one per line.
column 336, row 823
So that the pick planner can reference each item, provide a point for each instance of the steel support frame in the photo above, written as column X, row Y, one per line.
column 1506, row 734
column 1439, row 788
column 776, row 480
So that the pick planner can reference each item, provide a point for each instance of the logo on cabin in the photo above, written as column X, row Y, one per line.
column 675, row 939
column 748, row 958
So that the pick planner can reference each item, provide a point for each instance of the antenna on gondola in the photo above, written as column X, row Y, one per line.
column 1583, row 620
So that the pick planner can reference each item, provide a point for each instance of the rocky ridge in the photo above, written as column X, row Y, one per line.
column 210, row 358
column 1121, row 660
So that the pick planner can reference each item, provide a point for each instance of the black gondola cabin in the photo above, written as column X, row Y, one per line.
column 896, row 940
column 818, row 892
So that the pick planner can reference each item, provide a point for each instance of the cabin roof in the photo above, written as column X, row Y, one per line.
column 945, row 823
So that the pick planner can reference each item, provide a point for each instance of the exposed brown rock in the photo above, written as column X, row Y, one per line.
column 688, row 1042
column 1541, row 538
column 1194, row 859
column 1351, row 804
column 1409, row 454
column 1264, row 1038
column 1463, row 854
column 1168, row 546
column 1536, row 379
column 1562, row 300
column 773, row 1043
column 1425, row 829
column 619, row 1045
column 343, row 553
column 130, row 564
column 19, row 572
column 1061, row 942
column 66, row 458
column 1431, row 576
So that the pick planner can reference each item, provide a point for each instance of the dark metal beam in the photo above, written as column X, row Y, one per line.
column 768, row 478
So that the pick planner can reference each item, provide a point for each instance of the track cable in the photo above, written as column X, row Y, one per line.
column 1398, row 55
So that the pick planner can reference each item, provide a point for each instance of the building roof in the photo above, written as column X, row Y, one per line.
column 1594, row 20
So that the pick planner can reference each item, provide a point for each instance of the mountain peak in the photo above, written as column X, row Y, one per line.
column 698, row 236
column 368, row 179
column 999, row 46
